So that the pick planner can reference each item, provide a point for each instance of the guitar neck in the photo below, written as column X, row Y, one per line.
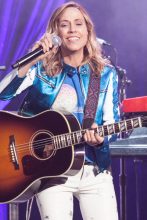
column 76, row 137
column 118, row 127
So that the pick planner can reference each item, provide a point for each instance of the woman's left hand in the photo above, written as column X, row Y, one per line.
column 92, row 138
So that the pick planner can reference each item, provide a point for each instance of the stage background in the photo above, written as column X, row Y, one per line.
column 123, row 25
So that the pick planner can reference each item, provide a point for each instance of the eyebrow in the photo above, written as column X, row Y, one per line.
column 68, row 20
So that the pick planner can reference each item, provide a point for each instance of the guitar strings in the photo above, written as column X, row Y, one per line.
column 43, row 140
column 39, row 144
column 42, row 146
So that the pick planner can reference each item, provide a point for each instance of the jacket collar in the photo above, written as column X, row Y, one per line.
column 70, row 70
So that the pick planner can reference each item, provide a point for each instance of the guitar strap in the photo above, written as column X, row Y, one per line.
column 92, row 100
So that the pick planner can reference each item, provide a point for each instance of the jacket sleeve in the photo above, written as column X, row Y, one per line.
column 12, row 85
column 111, row 104
column 111, row 113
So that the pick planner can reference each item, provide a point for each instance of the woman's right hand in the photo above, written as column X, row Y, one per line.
column 46, row 43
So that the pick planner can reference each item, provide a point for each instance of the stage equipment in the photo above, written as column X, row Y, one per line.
column 133, row 143
column 135, row 105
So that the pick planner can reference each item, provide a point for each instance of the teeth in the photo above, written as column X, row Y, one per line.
column 73, row 38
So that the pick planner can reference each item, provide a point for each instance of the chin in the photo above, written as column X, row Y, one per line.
column 75, row 49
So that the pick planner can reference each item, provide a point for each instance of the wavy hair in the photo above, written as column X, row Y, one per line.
column 92, row 50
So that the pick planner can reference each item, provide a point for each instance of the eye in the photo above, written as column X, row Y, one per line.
column 63, row 25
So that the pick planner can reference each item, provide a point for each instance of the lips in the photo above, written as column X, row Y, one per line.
column 73, row 38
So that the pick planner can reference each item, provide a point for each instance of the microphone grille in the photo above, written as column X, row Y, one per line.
column 56, row 40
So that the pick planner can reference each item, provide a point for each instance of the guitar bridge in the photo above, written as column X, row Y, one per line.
column 13, row 152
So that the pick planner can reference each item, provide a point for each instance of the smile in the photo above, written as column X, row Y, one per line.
column 73, row 38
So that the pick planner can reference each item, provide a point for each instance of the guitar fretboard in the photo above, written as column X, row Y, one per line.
column 118, row 127
column 76, row 137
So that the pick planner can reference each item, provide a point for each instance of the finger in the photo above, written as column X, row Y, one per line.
column 90, row 136
column 94, row 125
column 39, row 44
column 46, row 44
column 96, row 139
column 49, row 39
column 99, row 139
column 43, row 42
column 86, row 136
column 36, row 45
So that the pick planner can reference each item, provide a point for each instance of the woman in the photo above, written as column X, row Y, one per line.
column 59, row 80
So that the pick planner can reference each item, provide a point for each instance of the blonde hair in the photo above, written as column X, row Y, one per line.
column 92, row 50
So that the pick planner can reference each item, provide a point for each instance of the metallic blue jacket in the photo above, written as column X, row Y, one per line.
column 43, row 90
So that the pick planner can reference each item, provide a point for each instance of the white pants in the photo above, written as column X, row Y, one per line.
column 95, row 194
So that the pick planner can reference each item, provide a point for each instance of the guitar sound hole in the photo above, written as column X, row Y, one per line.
column 42, row 145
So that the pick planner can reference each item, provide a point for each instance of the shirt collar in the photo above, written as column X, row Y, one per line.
column 70, row 70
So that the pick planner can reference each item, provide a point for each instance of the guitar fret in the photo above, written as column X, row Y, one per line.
column 110, row 129
column 68, row 139
column 62, row 141
column 125, row 124
column 136, row 122
column 73, row 138
column 100, row 131
column 132, row 123
column 78, row 136
column 122, row 126
column 59, row 141
column 129, row 124
column 140, row 121
column 105, row 130
column 55, row 142
column 113, row 129
column 117, row 128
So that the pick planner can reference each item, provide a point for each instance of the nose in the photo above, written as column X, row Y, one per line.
column 72, row 28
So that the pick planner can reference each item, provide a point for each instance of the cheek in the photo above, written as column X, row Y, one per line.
column 62, row 33
column 85, row 37
column 85, row 33
column 62, row 36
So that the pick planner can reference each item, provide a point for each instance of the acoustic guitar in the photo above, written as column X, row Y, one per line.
column 46, row 145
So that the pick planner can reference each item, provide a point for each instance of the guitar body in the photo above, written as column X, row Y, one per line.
column 23, row 159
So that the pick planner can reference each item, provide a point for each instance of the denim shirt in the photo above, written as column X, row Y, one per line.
column 43, row 90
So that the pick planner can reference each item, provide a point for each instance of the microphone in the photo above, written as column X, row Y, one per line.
column 56, row 41
column 102, row 41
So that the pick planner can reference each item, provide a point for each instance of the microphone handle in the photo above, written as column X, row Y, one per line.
column 28, row 57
